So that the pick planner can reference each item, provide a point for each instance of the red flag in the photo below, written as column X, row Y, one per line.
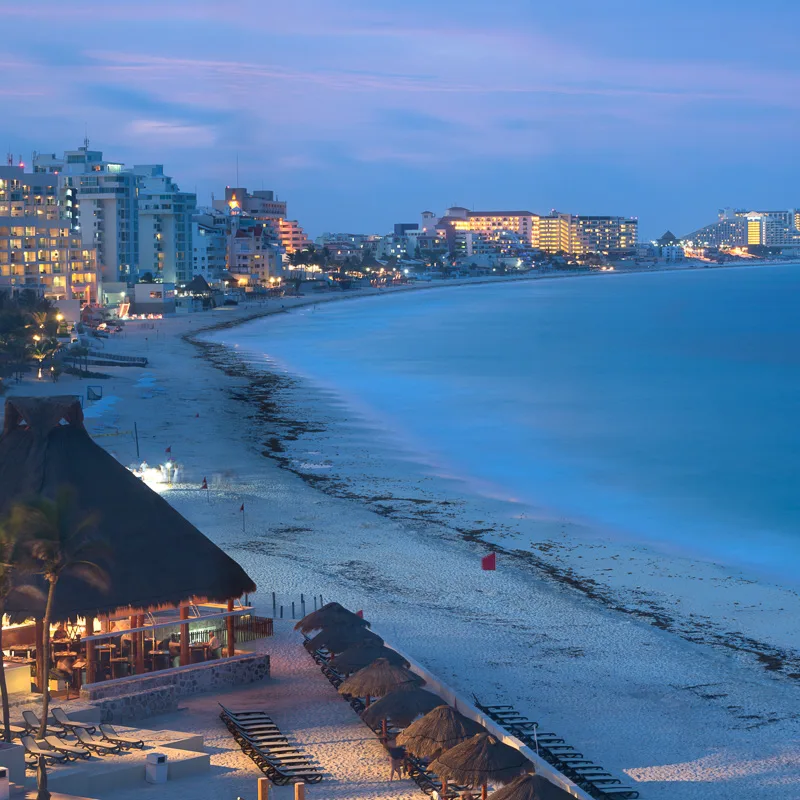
column 205, row 484
column 242, row 508
column 360, row 614
column 489, row 562
column 169, row 449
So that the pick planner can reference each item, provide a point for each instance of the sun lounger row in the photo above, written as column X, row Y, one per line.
column 260, row 738
column 55, row 748
column 323, row 657
column 590, row 777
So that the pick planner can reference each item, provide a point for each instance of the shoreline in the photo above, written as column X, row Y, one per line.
column 265, row 383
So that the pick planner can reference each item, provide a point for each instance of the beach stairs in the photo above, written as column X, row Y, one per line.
column 593, row 779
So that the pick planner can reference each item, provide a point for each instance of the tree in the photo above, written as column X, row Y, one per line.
column 12, row 558
column 58, row 543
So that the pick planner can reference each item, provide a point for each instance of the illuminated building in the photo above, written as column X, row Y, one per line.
column 39, row 250
column 739, row 227
column 553, row 233
column 265, row 207
column 209, row 244
column 165, row 226
column 608, row 235
column 101, row 200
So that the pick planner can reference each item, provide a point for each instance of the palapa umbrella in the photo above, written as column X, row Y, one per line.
column 531, row 787
column 479, row 760
column 378, row 679
column 439, row 730
column 362, row 655
column 341, row 637
column 330, row 614
column 402, row 707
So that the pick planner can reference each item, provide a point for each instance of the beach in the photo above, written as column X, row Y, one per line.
column 678, row 673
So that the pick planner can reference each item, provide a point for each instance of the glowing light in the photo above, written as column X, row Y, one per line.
column 159, row 479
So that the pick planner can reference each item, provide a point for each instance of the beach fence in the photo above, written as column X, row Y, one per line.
column 264, row 793
column 295, row 606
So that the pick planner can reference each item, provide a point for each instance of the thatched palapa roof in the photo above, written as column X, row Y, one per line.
column 362, row 655
column 341, row 637
column 378, row 679
column 439, row 730
column 531, row 787
column 155, row 557
column 481, row 760
column 330, row 614
column 402, row 707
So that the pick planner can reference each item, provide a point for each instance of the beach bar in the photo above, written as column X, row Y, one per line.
column 171, row 598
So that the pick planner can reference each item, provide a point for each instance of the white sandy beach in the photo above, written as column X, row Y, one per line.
column 683, row 719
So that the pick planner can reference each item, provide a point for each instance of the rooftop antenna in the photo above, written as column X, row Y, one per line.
column 10, row 158
column 86, row 135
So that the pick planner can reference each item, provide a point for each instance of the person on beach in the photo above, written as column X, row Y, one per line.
column 397, row 757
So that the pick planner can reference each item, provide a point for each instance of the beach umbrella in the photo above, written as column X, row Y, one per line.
column 531, row 787
column 339, row 638
column 330, row 614
column 402, row 707
column 380, row 678
column 479, row 761
column 439, row 730
column 362, row 655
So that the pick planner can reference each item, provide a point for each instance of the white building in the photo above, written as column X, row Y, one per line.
column 209, row 244
column 165, row 226
column 100, row 199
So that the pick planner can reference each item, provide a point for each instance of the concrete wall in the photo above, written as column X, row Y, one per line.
column 142, row 696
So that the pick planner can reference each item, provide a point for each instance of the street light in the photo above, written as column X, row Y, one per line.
column 59, row 317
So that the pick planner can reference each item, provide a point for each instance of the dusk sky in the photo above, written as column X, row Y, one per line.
column 361, row 114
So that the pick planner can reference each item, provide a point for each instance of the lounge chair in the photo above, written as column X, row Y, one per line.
column 68, row 749
column 33, row 750
column 98, row 745
column 32, row 722
column 18, row 731
column 111, row 735
column 60, row 716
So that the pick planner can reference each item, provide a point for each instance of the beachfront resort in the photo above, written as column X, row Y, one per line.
column 136, row 665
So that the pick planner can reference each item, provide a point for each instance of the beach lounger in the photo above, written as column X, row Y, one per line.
column 98, row 745
column 32, row 722
column 61, row 746
column 109, row 734
column 60, row 716
column 33, row 751
column 17, row 731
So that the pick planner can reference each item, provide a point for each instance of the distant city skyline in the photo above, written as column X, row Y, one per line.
column 363, row 115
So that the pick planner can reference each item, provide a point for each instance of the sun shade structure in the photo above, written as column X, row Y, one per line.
column 402, row 707
column 531, row 787
column 155, row 557
column 362, row 655
column 479, row 761
column 378, row 679
column 339, row 638
column 330, row 614
column 440, row 729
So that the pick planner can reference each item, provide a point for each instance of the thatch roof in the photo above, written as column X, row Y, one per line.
column 155, row 556
column 402, row 707
column 362, row 655
column 481, row 760
column 531, row 787
column 439, row 730
column 378, row 679
column 330, row 614
column 198, row 285
column 339, row 638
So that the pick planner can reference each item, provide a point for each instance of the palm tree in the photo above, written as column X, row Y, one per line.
column 11, row 557
column 58, row 543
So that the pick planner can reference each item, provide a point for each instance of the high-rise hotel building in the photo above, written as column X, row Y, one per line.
column 39, row 249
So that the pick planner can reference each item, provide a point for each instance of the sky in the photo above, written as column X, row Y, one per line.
column 363, row 113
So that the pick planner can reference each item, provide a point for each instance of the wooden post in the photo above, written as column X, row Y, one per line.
column 139, row 645
column 184, row 636
column 229, row 621
column 134, row 642
column 299, row 791
column 38, row 629
column 91, row 663
column 484, row 792
column 263, row 789
column 384, row 732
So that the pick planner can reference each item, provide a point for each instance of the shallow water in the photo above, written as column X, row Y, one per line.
column 663, row 407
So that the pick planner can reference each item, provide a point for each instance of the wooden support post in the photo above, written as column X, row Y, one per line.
column 229, row 621
column 91, row 662
column 38, row 629
column 484, row 792
column 139, row 645
column 299, row 791
column 184, row 637
column 263, row 789
column 134, row 642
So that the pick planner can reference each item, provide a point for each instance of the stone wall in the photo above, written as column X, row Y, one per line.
column 141, row 696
